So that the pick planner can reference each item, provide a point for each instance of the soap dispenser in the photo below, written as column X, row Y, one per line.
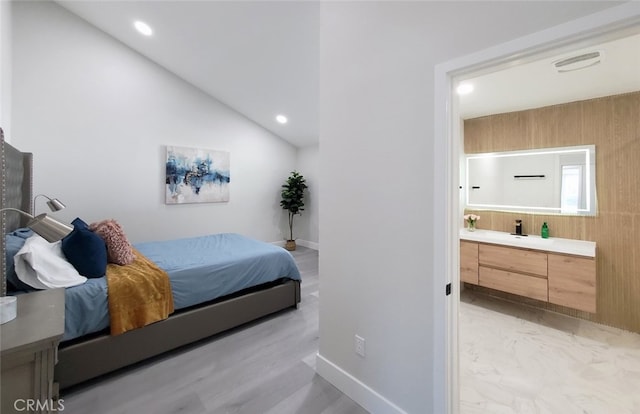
column 544, row 231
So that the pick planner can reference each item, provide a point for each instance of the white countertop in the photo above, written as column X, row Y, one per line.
column 552, row 244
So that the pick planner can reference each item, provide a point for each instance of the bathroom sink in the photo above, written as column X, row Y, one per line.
column 532, row 241
column 507, row 238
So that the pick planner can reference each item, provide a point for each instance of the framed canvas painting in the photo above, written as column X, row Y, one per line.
column 195, row 175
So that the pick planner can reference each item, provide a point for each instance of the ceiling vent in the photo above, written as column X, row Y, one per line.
column 582, row 61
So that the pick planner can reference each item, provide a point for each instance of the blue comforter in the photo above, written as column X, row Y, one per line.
column 200, row 269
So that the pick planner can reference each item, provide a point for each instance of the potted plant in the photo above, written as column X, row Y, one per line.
column 471, row 220
column 293, row 201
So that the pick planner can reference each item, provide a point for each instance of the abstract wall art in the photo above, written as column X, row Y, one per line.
column 196, row 176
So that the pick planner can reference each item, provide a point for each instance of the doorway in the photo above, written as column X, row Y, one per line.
column 613, row 23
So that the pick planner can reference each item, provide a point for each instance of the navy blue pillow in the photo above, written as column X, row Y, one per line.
column 14, row 242
column 85, row 250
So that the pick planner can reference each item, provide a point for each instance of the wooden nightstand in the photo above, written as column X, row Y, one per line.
column 29, row 346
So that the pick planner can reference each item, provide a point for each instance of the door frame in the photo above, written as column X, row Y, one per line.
column 583, row 32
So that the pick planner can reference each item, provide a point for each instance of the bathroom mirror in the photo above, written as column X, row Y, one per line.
column 549, row 180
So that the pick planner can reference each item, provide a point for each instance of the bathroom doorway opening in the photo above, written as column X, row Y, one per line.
column 614, row 23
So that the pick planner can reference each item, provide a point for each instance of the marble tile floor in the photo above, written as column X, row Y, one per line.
column 517, row 359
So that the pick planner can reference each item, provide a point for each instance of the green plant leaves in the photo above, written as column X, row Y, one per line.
column 293, row 193
column 293, row 197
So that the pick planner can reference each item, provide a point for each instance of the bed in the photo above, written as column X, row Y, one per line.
column 202, row 309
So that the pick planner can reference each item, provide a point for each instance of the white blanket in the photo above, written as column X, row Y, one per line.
column 42, row 265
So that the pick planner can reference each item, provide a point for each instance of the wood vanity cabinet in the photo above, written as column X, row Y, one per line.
column 572, row 282
column 561, row 279
column 518, row 271
column 513, row 259
column 469, row 262
column 516, row 283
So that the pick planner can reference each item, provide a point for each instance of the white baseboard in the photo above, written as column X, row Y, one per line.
column 300, row 242
column 359, row 392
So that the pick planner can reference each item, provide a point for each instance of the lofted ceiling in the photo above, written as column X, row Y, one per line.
column 261, row 58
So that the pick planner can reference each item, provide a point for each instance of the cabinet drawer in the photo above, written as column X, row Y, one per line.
column 517, row 260
column 516, row 283
column 469, row 262
column 572, row 282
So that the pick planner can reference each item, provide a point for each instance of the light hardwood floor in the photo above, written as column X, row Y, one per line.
column 264, row 367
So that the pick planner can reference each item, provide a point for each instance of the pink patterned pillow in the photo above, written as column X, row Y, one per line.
column 119, row 250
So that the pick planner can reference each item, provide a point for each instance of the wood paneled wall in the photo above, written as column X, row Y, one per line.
column 613, row 125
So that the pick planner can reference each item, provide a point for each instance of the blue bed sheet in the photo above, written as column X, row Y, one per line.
column 200, row 269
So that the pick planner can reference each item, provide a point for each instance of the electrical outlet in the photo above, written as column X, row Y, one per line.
column 360, row 346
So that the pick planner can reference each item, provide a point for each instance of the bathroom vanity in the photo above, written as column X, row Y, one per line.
column 555, row 270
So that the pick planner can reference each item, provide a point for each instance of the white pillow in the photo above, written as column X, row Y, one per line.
column 42, row 265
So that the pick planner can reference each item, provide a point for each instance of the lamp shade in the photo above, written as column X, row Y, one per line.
column 55, row 205
column 49, row 228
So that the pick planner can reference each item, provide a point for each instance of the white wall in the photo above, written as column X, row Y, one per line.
column 5, row 68
column 306, row 225
column 376, row 133
column 97, row 117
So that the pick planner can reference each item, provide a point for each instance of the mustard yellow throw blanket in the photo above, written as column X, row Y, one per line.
column 139, row 294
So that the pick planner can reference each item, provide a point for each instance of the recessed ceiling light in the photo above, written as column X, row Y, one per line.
column 464, row 88
column 143, row 28
column 282, row 119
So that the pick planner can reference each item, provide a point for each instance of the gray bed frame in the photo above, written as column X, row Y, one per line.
column 84, row 359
